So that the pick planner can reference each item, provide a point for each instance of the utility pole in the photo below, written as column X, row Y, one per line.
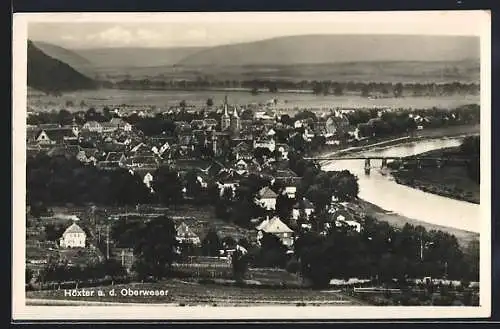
column 107, row 242
column 421, row 249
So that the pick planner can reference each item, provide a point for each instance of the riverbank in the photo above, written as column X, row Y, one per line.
column 464, row 238
column 396, row 219
column 426, row 134
column 448, row 181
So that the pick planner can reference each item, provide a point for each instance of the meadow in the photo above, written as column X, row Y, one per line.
column 148, row 99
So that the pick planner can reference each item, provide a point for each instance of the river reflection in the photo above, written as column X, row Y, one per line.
column 382, row 191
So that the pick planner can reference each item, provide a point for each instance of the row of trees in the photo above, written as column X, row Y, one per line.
column 325, row 87
column 471, row 148
column 59, row 180
column 383, row 253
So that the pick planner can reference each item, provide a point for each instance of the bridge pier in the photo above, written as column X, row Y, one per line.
column 384, row 163
column 367, row 166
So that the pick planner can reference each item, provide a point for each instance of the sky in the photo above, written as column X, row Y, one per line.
column 76, row 31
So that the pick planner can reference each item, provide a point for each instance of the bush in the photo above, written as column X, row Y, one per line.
column 293, row 266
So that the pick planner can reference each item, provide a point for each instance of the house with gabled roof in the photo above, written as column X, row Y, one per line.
column 267, row 198
column 93, row 126
column 210, row 124
column 73, row 237
column 115, row 157
column 185, row 235
column 120, row 124
column 55, row 136
column 302, row 206
column 276, row 227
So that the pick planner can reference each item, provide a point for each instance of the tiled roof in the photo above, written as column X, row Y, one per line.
column 267, row 193
column 274, row 225
column 74, row 228
column 114, row 156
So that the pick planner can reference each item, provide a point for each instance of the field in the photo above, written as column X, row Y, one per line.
column 162, row 100
column 192, row 293
column 391, row 71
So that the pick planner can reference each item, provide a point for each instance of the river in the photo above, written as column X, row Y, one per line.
column 384, row 192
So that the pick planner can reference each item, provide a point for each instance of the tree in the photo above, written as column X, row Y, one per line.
column 64, row 117
column 470, row 148
column 365, row 91
column 337, row 90
column 210, row 102
column 155, row 247
column 167, row 185
column 346, row 185
column 91, row 114
column 211, row 244
column 228, row 242
column 284, row 206
column 106, row 112
column 239, row 262
column 193, row 186
column 272, row 252
column 398, row 90
column 28, row 275
column 182, row 104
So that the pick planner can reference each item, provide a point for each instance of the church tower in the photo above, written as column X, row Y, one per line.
column 235, row 122
column 225, row 120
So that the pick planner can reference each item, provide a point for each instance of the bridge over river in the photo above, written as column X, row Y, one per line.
column 403, row 161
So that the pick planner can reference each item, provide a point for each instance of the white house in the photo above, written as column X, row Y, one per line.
column 276, row 227
column 267, row 198
column 93, row 126
column 302, row 205
column 73, row 237
column 270, row 144
column 185, row 235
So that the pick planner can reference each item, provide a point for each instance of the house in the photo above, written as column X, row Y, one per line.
column 120, row 124
column 55, row 136
column 342, row 217
column 243, row 151
column 93, row 126
column 270, row 144
column 210, row 124
column 283, row 149
column 117, row 157
column 186, row 235
column 276, row 227
column 227, row 179
column 304, row 206
column 73, row 237
column 197, row 124
column 241, row 167
column 267, row 198
column 336, row 124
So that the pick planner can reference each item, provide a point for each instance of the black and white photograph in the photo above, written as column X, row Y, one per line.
column 234, row 165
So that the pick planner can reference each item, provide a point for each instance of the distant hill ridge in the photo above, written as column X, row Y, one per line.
column 51, row 75
column 72, row 58
column 317, row 49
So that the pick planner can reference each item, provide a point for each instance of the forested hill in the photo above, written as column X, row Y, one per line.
column 50, row 75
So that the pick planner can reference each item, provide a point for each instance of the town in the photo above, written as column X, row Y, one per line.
column 224, row 194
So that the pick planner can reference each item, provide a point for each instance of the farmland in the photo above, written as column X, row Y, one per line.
column 288, row 102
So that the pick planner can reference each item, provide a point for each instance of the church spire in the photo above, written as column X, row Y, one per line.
column 225, row 120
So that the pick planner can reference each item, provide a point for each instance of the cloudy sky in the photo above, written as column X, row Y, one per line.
column 180, row 30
